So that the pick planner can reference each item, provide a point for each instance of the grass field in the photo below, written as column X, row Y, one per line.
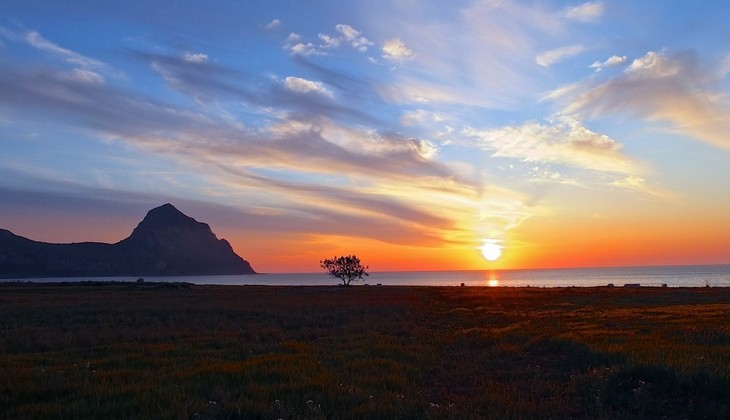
column 181, row 351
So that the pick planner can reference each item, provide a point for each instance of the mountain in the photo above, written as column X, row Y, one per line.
column 165, row 243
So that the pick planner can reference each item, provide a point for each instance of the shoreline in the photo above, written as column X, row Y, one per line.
column 56, row 282
column 674, row 276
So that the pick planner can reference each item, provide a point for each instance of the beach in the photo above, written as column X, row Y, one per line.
column 177, row 350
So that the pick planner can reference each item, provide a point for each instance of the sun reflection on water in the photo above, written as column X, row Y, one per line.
column 492, row 279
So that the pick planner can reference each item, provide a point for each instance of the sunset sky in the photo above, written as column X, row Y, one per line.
column 410, row 133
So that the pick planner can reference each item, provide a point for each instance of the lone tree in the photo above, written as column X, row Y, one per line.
column 346, row 268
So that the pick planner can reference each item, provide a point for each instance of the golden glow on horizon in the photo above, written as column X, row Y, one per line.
column 645, row 238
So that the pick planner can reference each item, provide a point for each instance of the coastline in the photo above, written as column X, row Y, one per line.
column 651, row 276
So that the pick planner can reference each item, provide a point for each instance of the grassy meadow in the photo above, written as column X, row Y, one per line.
column 147, row 350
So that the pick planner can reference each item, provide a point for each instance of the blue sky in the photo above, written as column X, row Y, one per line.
column 404, row 131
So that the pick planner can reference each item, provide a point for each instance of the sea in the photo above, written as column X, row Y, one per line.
column 671, row 276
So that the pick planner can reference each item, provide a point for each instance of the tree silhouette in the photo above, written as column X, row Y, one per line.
column 346, row 268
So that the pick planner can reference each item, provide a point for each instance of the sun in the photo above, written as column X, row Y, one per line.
column 491, row 251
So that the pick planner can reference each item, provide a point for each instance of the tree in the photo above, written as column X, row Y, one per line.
column 345, row 268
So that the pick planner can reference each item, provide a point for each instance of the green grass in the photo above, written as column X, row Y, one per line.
column 181, row 351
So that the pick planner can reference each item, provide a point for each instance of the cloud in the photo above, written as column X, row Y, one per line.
column 481, row 53
column 548, row 58
column 35, row 39
column 421, row 116
column 547, row 175
column 318, row 146
column 352, row 87
column 294, row 44
column 427, row 93
column 293, row 38
column 328, row 41
column 654, row 66
column 331, row 148
column 636, row 183
column 612, row 61
column 674, row 89
column 209, row 83
column 347, row 35
column 300, row 85
column 86, row 76
column 301, row 207
column 86, row 69
column 395, row 49
column 195, row 57
column 305, row 49
column 52, row 95
column 565, row 142
column 274, row 24
column 354, row 37
column 499, row 211
column 586, row 12
column 194, row 75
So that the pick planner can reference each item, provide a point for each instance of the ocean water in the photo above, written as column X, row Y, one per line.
column 672, row 276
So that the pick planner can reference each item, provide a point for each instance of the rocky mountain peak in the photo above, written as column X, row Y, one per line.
column 167, row 216
column 165, row 242
column 167, row 225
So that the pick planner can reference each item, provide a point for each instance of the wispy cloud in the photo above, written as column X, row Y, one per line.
column 38, row 41
column 209, row 82
column 193, row 75
column 354, row 37
column 565, row 142
column 548, row 175
column 345, row 35
column 86, row 76
column 674, row 89
column 612, row 61
column 329, row 41
column 639, row 184
column 421, row 116
column 299, row 85
column 51, row 95
column 424, row 92
column 86, row 69
column 296, row 46
column 548, row 58
column 586, row 12
column 480, row 53
column 195, row 57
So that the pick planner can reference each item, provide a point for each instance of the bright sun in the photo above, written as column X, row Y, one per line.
column 491, row 251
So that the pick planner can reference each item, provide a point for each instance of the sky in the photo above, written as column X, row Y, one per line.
column 415, row 134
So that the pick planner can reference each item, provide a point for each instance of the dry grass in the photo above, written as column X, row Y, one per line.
column 182, row 351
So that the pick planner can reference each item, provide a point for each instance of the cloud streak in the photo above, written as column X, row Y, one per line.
column 565, row 142
column 673, row 89
column 612, row 61
column 299, row 85
column 586, row 12
column 36, row 40
column 548, row 58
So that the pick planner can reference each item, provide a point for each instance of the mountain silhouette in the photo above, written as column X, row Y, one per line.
column 165, row 243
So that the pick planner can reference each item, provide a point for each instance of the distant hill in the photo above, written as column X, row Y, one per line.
column 165, row 243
